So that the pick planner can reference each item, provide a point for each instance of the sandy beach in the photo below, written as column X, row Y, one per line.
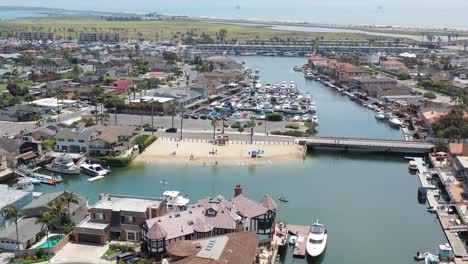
column 186, row 153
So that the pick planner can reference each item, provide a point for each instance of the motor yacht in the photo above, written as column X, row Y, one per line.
column 94, row 169
column 317, row 240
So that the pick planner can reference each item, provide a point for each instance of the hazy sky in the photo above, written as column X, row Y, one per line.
column 389, row 12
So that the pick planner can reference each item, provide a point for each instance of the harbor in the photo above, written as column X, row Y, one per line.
column 345, row 211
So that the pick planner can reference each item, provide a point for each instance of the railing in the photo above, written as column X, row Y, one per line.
column 230, row 142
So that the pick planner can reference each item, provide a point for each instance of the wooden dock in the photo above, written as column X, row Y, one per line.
column 302, row 232
column 368, row 145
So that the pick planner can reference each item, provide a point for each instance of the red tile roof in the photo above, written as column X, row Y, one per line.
column 123, row 84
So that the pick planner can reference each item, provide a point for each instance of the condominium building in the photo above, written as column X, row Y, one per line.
column 99, row 37
column 35, row 35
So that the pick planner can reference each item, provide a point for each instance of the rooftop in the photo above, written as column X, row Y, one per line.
column 463, row 160
column 27, row 229
column 127, row 203
column 9, row 196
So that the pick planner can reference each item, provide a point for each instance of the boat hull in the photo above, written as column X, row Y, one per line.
column 315, row 250
column 67, row 172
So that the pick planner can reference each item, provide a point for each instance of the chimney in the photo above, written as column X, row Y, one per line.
column 237, row 190
column 101, row 196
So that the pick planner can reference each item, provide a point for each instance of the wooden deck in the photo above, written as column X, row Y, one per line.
column 302, row 232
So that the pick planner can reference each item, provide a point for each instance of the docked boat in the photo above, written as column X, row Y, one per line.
column 94, row 169
column 421, row 256
column 292, row 240
column 283, row 199
column 63, row 165
column 380, row 116
column 395, row 122
column 445, row 256
column 412, row 165
column 24, row 186
column 315, row 119
column 422, row 193
column 317, row 240
column 175, row 200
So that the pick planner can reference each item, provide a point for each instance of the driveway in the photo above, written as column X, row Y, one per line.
column 81, row 253
column 6, row 257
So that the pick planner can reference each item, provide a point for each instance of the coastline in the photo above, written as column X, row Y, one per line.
column 207, row 154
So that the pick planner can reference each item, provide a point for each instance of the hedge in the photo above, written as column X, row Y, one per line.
column 117, row 161
column 274, row 117
column 143, row 141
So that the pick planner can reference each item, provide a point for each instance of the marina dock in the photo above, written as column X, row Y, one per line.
column 367, row 145
column 302, row 232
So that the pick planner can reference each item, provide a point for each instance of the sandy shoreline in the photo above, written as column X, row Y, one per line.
column 231, row 154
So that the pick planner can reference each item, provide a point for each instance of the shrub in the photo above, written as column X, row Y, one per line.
column 274, row 117
column 430, row 95
column 48, row 144
column 292, row 126
column 117, row 161
column 290, row 133
column 121, row 247
column 143, row 141
column 40, row 253
column 235, row 125
column 241, row 129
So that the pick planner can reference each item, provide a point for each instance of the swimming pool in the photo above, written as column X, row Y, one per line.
column 51, row 241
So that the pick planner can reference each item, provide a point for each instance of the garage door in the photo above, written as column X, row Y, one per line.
column 86, row 238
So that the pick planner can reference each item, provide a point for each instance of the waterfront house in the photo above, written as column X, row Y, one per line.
column 224, row 63
column 74, row 140
column 77, row 210
column 205, row 87
column 393, row 65
column 112, row 140
column 10, row 196
column 21, row 151
column 223, row 77
column 368, row 82
column 28, row 230
column 212, row 216
column 460, row 167
column 5, row 170
column 118, row 217
column 231, row 248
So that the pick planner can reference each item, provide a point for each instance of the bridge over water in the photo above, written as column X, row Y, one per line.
column 367, row 145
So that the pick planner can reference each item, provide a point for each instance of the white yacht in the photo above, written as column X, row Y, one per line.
column 317, row 240
column 63, row 165
column 395, row 122
column 94, row 169
column 315, row 119
column 175, row 200
column 380, row 116
column 312, row 109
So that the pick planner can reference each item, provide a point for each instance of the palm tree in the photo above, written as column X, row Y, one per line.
column 59, row 96
column 252, row 124
column 46, row 220
column 69, row 198
column 97, row 97
column 223, row 112
column 214, row 123
column 57, row 208
column 115, row 100
column 182, row 111
column 172, row 111
column 13, row 213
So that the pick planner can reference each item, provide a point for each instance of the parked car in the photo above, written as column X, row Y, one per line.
column 204, row 117
column 161, row 114
column 186, row 116
column 171, row 130
column 150, row 129
column 194, row 116
column 124, row 256
column 133, row 260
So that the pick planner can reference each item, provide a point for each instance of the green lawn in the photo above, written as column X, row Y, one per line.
column 165, row 30
column 2, row 87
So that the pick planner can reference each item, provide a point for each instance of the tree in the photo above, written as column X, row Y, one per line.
column 13, row 213
column 430, row 95
column 182, row 111
column 97, row 97
column 439, row 145
column 222, row 34
column 76, row 71
column 214, row 123
column 115, row 101
column 252, row 124
column 69, row 198
column 170, row 57
column 57, row 208
column 46, row 220
column 172, row 111
column 223, row 112
column 59, row 95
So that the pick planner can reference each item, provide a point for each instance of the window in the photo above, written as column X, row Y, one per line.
column 127, row 219
column 81, row 141
column 71, row 140
column 131, row 236
column 61, row 139
column 99, row 216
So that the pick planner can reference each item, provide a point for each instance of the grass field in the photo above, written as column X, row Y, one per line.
column 164, row 30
